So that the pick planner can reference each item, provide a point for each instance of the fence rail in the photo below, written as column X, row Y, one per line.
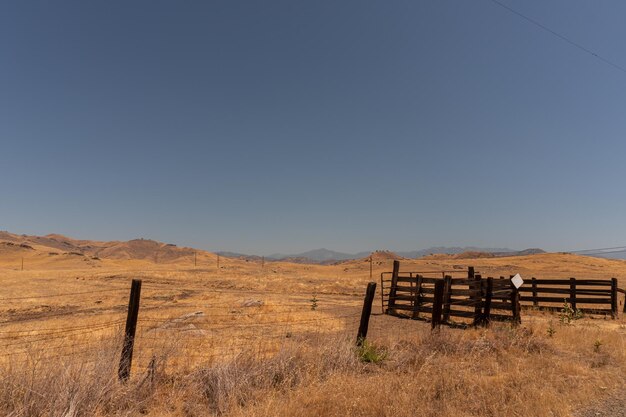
column 482, row 300
column 598, row 296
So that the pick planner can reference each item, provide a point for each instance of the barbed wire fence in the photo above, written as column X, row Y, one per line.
column 193, row 332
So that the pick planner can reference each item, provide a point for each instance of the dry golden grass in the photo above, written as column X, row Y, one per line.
column 60, row 325
column 493, row 372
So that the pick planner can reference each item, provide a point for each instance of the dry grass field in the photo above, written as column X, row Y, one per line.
column 278, row 340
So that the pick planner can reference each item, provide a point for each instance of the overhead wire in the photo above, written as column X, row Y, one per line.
column 560, row 36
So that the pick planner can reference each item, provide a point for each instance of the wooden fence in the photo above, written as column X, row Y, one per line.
column 588, row 296
column 466, row 300
column 469, row 299
column 413, row 292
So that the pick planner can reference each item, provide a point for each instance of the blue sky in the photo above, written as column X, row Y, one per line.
column 282, row 126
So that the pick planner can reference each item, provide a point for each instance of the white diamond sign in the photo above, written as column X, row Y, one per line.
column 517, row 280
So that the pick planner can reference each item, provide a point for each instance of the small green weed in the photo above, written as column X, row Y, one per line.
column 568, row 314
column 370, row 353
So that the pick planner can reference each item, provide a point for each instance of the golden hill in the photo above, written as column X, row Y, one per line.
column 61, row 252
column 251, row 327
column 56, row 250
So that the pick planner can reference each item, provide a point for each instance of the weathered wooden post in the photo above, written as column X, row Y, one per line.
column 382, row 293
column 534, row 286
column 417, row 301
column 394, row 283
column 447, row 294
column 515, row 306
column 437, row 304
column 477, row 298
column 572, row 293
column 129, row 334
column 487, row 307
column 470, row 272
column 614, row 298
column 365, row 313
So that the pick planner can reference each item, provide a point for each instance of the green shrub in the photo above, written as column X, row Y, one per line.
column 568, row 314
column 370, row 353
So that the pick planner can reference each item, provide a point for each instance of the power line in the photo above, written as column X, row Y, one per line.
column 599, row 250
column 558, row 35
column 603, row 253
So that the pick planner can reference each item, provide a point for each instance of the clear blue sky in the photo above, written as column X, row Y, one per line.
column 281, row 126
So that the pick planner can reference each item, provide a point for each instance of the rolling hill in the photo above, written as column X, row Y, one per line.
column 62, row 247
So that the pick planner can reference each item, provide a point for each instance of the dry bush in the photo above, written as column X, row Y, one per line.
column 79, row 384
column 246, row 380
column 477, row 372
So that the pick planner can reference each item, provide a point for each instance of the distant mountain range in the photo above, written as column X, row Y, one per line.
column 327, row 256
column 321, row 255
column 237, row 255
column 54, row 245
column 454, row 250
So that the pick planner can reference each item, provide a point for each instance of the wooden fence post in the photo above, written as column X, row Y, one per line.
column 382, row 294
column 470, row 272
column 614, row 298
column 365, row 313
column 487, row 307
column 394, row 283
column 437, row 303
column 418, row 297
column 534, row 285
column 515, row 306
column 129, row 334
column 447, row 294
column 572, row 293
column 477, row 298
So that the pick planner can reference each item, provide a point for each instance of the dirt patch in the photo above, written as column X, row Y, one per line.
column 613, row 406
column 39, row 311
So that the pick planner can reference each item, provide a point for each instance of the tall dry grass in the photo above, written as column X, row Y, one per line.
column 501, row 371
